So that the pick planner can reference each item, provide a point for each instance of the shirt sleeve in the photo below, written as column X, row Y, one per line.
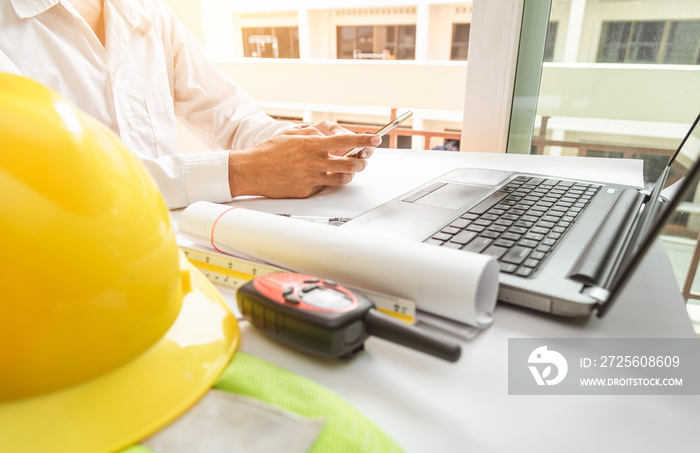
column 215, row 109
column 186, row 178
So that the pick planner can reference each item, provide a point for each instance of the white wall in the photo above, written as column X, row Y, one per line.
column 403, row 84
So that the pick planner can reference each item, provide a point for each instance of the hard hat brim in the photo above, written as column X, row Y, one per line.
column 120, row 408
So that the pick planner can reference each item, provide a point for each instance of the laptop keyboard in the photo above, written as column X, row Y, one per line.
column 519, row 224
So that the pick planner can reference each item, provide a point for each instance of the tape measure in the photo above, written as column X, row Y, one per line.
column 233, row 272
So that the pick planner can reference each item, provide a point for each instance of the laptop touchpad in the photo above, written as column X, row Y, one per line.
column 452, row 196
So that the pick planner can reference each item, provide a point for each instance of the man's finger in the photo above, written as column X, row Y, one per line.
column 338, row 179
column 346, row 141
column 330, row 128
column 346, row 164
column 306, row 130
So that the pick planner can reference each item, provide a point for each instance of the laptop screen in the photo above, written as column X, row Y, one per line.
column 682, row 161
column 677, row 183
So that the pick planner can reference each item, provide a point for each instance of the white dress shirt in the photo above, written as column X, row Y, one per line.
column 150, row 70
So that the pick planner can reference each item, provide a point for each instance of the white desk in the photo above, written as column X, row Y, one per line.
column 432, row 406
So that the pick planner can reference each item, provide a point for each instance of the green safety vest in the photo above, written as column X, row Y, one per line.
column 345, row 429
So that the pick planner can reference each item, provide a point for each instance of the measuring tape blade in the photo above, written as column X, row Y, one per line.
column 398, row 307
column 233, row 272
column 238, row 268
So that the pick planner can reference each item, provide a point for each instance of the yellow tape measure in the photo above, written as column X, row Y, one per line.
column 233, row 272
column 225, row 270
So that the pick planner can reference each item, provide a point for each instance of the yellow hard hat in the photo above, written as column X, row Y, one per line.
column 107, row 333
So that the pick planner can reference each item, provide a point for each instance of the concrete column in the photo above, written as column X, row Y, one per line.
column 573, row 31
column 237, row 48
column 308, row 116
column 423, row 12
column 559, row 135
column 418, row 125
column 315, row 34
column 305, row 35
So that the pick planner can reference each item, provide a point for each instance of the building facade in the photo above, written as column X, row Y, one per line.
column 352, row 61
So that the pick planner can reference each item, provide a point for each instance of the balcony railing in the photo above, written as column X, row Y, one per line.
column 539, row 142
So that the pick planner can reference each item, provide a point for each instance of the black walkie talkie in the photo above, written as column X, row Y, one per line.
column 323, row 317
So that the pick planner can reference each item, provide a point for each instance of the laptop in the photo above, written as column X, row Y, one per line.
column 564, row 246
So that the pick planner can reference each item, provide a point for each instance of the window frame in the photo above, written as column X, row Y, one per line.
column 493, row 53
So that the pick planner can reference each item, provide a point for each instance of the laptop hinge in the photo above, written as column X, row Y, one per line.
column 598, row 258
column 598, row 293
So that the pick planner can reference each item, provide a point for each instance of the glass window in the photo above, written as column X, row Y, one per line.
column 460, row 41
column 667, row 42
column 582, row 106
column 386, row 42
column 406, row 42
column 683, row 43
column 271, row 42
column 615, row 80
column 645, row 42
column 550, row 41
column 346, row 42
column 614, row 41
column 364, row 39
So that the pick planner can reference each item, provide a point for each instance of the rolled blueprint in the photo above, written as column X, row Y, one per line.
column 455, row 284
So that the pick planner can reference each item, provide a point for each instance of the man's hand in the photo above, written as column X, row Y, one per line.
column 299, row 162
column 328, row 128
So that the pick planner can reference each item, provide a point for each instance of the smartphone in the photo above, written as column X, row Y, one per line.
column 391, row 125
